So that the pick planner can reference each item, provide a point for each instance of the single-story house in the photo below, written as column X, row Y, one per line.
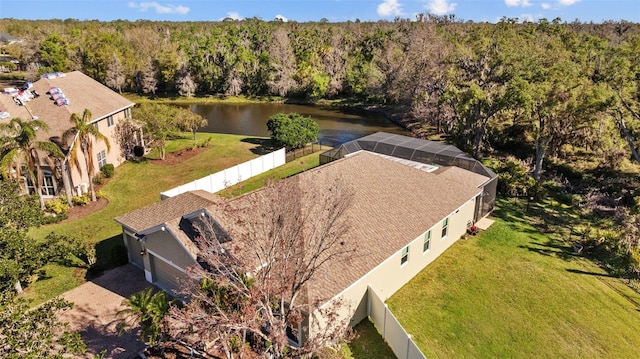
column 403, row 215
column 53, row 99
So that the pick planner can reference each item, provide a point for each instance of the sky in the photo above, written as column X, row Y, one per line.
column 315, row 10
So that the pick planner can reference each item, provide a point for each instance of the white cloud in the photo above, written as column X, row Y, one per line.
column 281, row 18
column 568, row 2
column 160, row 9
column 514, row 3
column 546, row 6
column 389, row 7
column 440, row 7
column 233, row 15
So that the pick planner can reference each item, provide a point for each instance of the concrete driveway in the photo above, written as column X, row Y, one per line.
column 94, row 312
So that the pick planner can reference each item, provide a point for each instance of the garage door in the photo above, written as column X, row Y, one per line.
column 165, row 275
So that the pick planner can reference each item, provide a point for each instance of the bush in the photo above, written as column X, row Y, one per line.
column 514, row 179
column 54, row 219
column 99, row 194
column 292, row 130
column 107, row 170
column 80, row 200
column 57, row 206
column 97, row 179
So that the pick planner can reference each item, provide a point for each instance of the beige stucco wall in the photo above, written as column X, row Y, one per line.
column 166, row 246
column 78, row 175
column 162, row 246
column 390, row 276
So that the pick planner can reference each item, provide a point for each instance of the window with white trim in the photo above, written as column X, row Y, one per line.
column 95, row 124
column 427, row 241
column 102, row 159
column 127, row 112
column 110, row 121
column 48, row 188
column 445, row 227
column 405, row 255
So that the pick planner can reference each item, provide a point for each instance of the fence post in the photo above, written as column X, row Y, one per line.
column 384, row 322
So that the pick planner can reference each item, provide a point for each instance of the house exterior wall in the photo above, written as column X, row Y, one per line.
column 164, row 244
column 391, row 275
column 79, row 177
column 164, row 258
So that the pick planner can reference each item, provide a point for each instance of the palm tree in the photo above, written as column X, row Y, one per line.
column 83, row 133
column 147, row 309
column 18, row 146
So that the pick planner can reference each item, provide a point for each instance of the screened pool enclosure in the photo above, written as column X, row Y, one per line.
column 431, row 153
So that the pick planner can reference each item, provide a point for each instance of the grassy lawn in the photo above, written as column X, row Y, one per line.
column 515, row 292
column 368, row 344
column 136, row 185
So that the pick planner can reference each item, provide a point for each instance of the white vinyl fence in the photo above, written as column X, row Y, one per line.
column 230, row 176
column 392, row 332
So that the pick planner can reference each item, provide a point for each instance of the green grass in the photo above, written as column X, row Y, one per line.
column 136, row 185
column 368, row 343
column 515, row 292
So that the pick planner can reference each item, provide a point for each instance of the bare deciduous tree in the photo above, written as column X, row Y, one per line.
column 251, row 291
column 284, row 63
column 184, row 83
column 115, row 77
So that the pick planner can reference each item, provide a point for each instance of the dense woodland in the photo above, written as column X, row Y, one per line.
column 540, row 85
column 552, row 100
column 544, row 93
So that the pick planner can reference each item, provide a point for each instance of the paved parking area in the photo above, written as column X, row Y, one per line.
column 96, row 304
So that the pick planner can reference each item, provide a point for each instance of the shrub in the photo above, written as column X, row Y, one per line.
column 513, row 177
column 57, row 206
column 80, row 200
column 107, row 170
column 98, row 178
column 292, row 130
column 99, row 194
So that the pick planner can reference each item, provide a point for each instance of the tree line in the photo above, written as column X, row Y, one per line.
column 545, row 84
column 546, row 92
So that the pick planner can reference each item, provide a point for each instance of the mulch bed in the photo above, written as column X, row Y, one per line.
column 178, row 156
column 77, row 212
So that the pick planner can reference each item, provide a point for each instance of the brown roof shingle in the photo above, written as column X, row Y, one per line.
column 392, row 205
column 167, row 210
column 82, row 91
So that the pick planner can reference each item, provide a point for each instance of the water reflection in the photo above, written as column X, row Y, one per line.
column 336, row 126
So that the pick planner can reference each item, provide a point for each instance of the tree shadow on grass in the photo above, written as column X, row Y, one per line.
column 263, row 145
column 110, row 253
column 553, row 248
column 577, row 271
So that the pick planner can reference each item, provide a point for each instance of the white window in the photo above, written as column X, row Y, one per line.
column 110, row 121
column 427, row 241
column 127, row 112
column 405, row 255
column 47, row 186
column 95, row 124
column 445, row 227
column 102, row 158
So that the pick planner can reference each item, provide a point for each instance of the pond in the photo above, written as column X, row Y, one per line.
column 336, row 125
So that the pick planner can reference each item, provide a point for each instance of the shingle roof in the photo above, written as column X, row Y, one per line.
column 392, row 204
column 167, row 210
column 82, row 91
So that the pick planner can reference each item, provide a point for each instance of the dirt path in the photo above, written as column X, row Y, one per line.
column 94, row 312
